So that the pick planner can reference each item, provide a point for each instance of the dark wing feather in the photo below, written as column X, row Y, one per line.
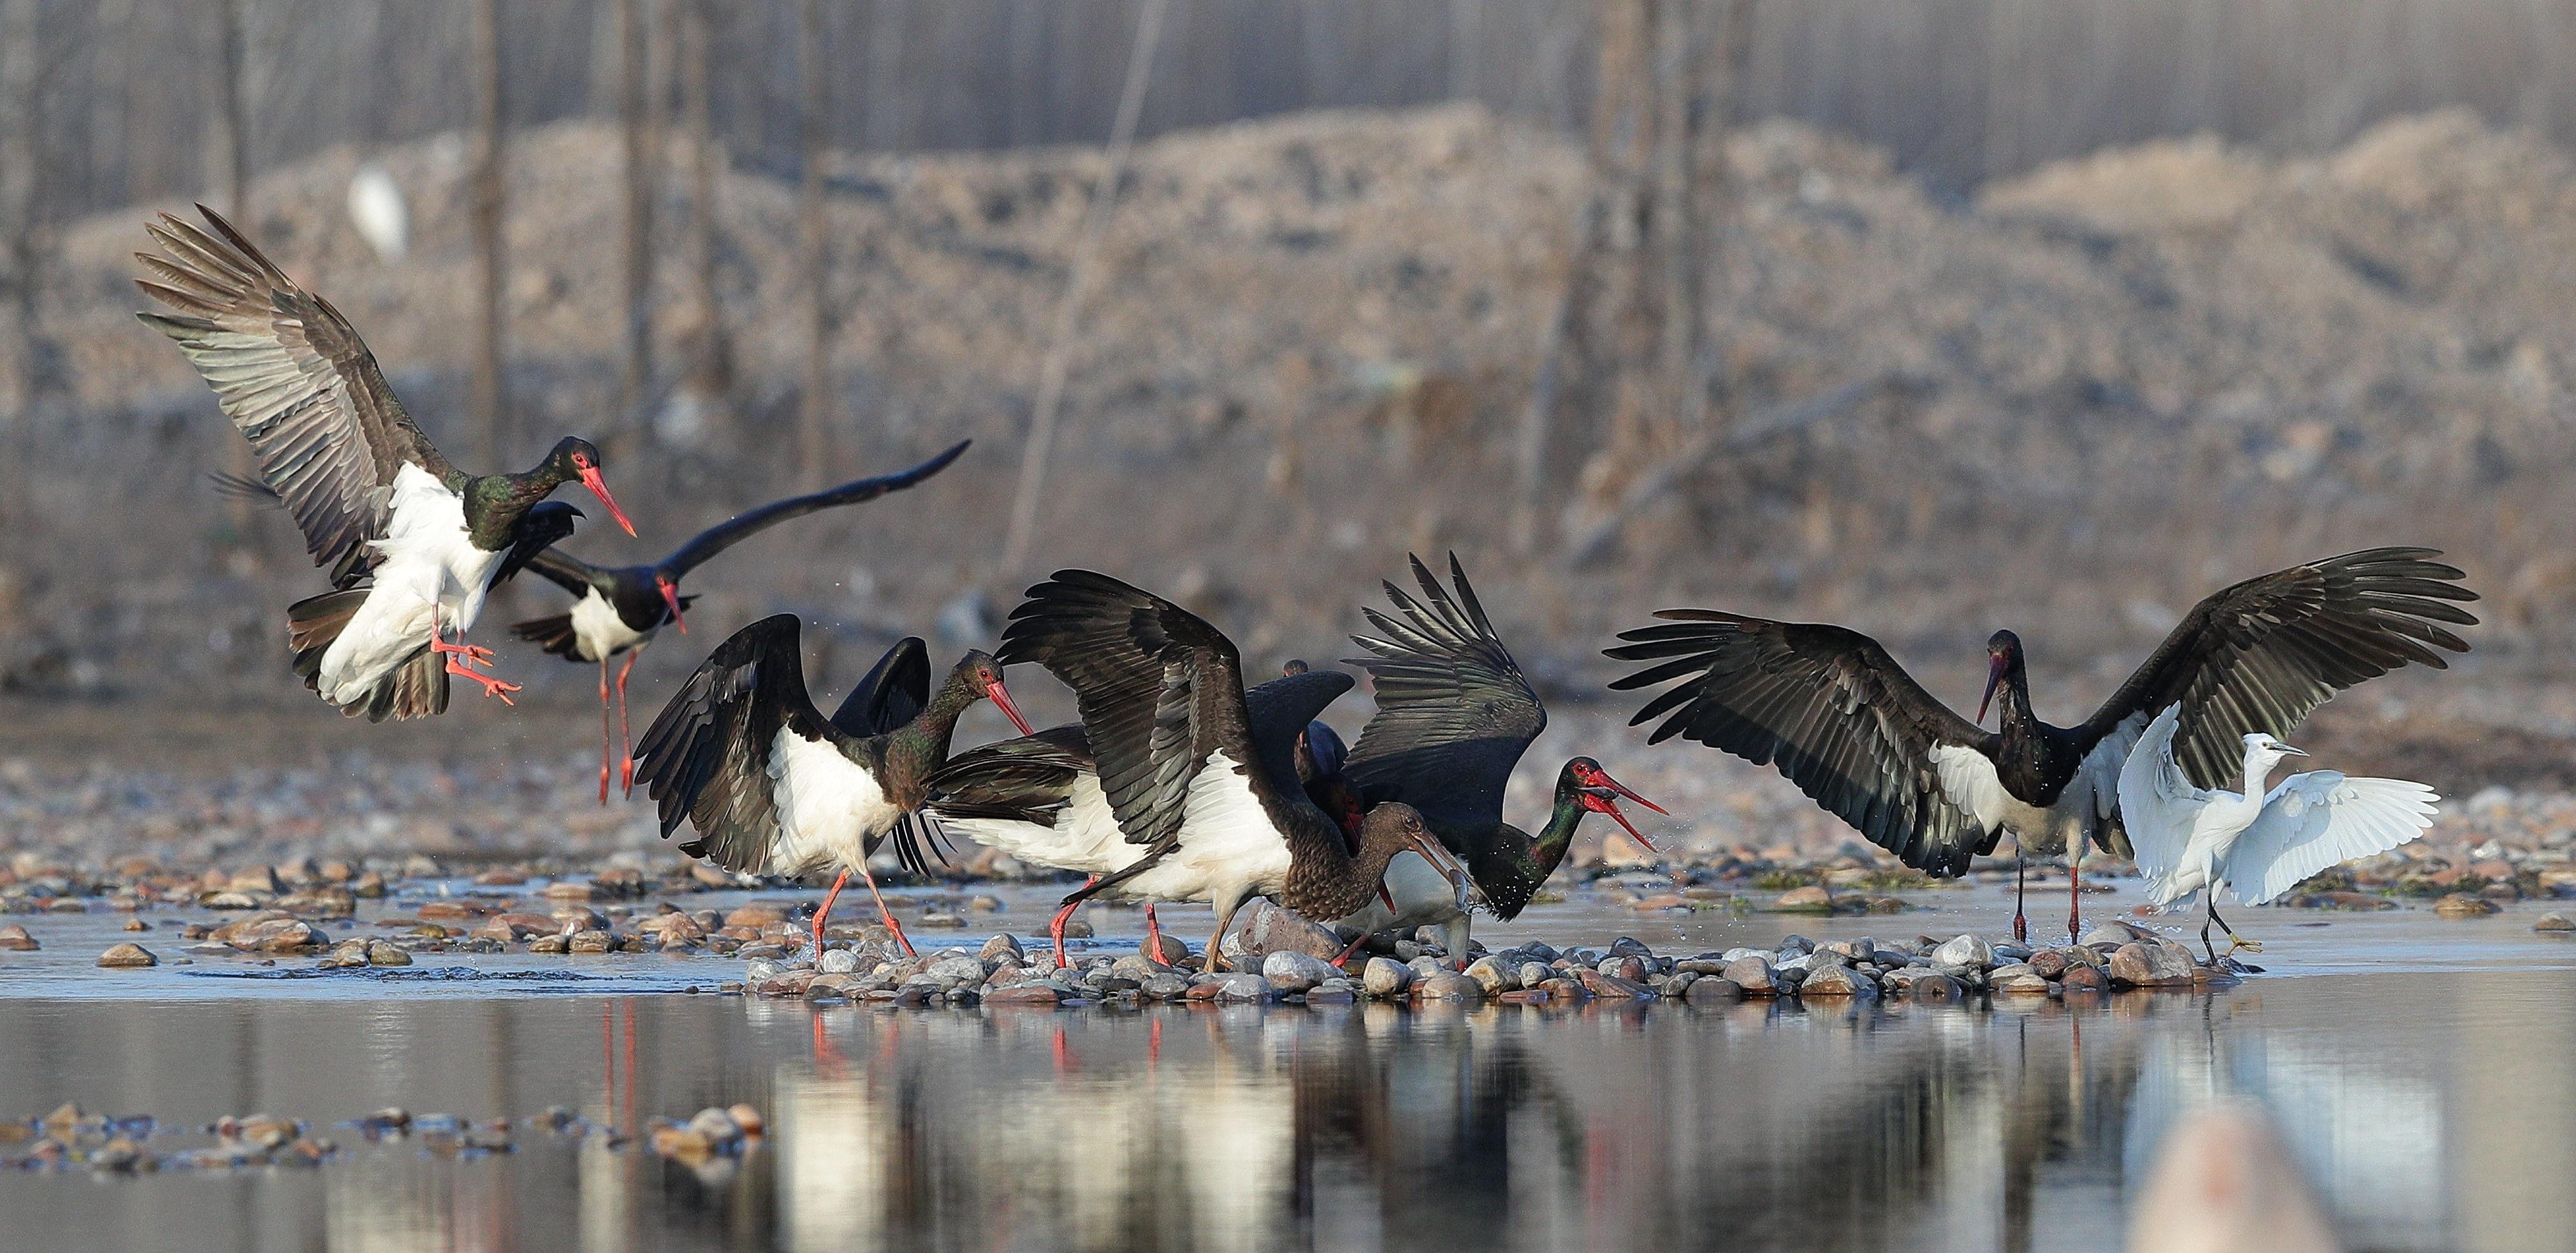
column 536, row 533
column 1827, row 706
column 1159, row 690
column 560, row 568
column 706, row 756
column 1027, row 780
column 2263, row 654
column 750, row 522
column 1454, row 712
column 294, row 376
column 894, row 692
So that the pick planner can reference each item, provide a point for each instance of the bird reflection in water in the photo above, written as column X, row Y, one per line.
column 1873, row 1126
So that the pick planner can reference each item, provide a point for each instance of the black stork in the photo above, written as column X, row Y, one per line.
column 1209, row 793
column 774, row 787
column 413, row 542
column 1454, row 715
column 1039, row 798
column 617, row 609
column 1858, row 735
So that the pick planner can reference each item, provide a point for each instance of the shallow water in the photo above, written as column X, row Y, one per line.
column 2424, row 1072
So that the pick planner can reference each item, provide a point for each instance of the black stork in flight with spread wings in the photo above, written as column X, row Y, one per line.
column 413, row 542
column 617, row 609
column 1857, row 734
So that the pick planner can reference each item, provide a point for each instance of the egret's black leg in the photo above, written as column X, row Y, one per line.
column 2021, row 925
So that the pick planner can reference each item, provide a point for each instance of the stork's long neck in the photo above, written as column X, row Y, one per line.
column 1325, row 880
column 920, row 746
column 1510, row 867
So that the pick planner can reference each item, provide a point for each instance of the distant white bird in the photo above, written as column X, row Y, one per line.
column 376, row 208
column 2253, row 843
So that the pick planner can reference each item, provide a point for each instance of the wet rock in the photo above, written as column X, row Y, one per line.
column 1242, row 987
column 1495, row 975
column 2115, row 934
column 1828, row 982
column 137, row 924
column 255, row 879
column 756, row 914
column 1531, row 974
column 1611, row 987
column 1384, row 977
column 1175, row 951
column 2048, row 963
column 1003, row 948
column 1931, row 985
column 1449, row 985
column 324, row 903
column 380, row 953
column 368, row 886
column 2149, row 966
column 350, row 953
column 1713, row 990
column 592, row 941
column 2463, row 905
column 1163, row 986
column 1271, row 929
column 1814, row 898
column 1752, row 974
column 2554, row 923
column 1629, row 968
column 838, row 961
column 14, row 939
column 1337, row 992
column 1291, row 971
column 1965, row 950
column 2084, row 979
column 550, row 944
column 2018, row 980
column 128, row 955
column 955, row 970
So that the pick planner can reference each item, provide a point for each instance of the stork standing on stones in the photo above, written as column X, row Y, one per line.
column 1859, row 736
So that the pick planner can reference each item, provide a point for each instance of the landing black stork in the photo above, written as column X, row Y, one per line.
column 1039, row 798
column 413, row 543
column 1857, row 734
column 1454, row 714
column 1210, row 794
column 617, row 609
column 774, row 787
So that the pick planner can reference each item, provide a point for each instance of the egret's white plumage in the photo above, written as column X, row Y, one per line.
column 2255, row 844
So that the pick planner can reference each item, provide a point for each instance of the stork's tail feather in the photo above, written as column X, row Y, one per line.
column 417, row 688
column 555, row 635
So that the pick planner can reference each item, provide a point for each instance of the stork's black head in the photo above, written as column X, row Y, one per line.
column 577, row 460
column 983, row 677
column 2003, row 660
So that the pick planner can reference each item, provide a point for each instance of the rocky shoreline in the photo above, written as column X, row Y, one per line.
column 70, row 1138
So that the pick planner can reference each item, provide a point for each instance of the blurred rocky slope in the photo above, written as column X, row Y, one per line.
column 2096, row 393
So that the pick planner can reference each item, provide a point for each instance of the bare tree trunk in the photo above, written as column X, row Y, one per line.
column 1086, row 249
column 708, row 378
column 491, row 400
column 639, row 122
column 811, row 124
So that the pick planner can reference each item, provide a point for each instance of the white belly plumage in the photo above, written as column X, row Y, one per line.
column 598, row 631
column 829, row 808
column 429, row 574
column 1085, row 839
column 1229, row 849
column 1969, row 780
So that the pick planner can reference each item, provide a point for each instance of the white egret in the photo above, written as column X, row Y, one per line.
column 2255, row 844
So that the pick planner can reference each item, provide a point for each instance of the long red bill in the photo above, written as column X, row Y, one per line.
column 1602, row 777
column 1608, row 806
column 599, row 487
column 1002, row 701
column 1994, row 679
column 671, row 598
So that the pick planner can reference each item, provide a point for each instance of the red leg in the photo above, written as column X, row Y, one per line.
column 625, row 738
column 1354, row 946
column 1153, row 934
column 604, row 747
column 820, row 915
column 1055, row 925
column 473, row 654
column 2074, row 887
column 461, row 659
column 900, row 940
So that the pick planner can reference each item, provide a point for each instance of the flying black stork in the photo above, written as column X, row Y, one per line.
column 1039, row 798
column 1210, row 792
column 774, row 787
column 617, row 609
column 413, row 543
column 1857, row 734
column 1454, row 714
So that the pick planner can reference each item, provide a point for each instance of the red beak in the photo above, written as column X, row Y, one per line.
column 599, row 487
column 1994, row 679
column 1599, row 788
column 671, row 597
column 1002, row 701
